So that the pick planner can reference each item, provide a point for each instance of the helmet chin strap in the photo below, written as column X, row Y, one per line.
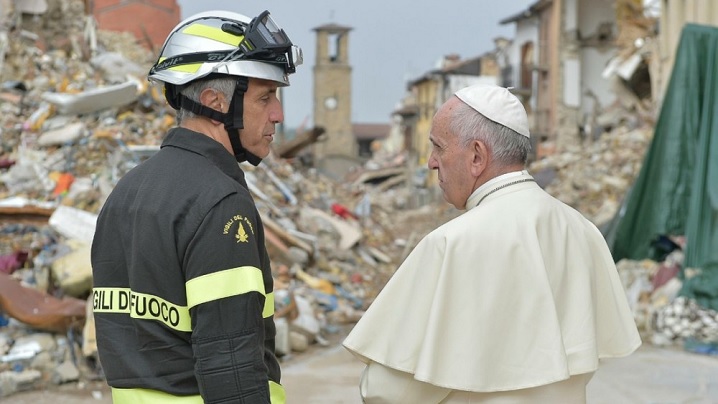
column 232, row 119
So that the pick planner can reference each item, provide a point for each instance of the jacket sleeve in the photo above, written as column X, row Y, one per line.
column 230, row 306
column 380, row 384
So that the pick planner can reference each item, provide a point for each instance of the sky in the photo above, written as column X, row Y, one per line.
column 391, row 42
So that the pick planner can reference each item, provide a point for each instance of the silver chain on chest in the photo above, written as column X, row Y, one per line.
column 502, row 187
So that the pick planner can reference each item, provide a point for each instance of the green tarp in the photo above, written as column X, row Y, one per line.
column 676, row 192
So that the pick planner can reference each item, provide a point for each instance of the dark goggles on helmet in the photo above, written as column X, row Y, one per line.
column 263, row 41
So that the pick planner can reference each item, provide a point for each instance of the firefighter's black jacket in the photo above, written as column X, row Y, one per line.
column 182, row 293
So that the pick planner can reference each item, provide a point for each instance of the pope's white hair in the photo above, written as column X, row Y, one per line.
column 506, row 145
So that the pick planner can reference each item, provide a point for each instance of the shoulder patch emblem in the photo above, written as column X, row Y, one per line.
column 241, row 235
column 241, row 223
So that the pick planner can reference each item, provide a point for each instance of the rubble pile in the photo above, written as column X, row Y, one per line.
column 76, row 117
column 77, row 114
column 72, row 113
column 594, row 174
column 593, row 177
column 663, row 316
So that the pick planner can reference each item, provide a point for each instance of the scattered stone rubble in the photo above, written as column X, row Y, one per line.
column 594, row 178
column 77, row 114
column 595, row 175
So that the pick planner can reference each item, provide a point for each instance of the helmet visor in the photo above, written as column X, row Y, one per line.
column 271, row 33
column 265, row 41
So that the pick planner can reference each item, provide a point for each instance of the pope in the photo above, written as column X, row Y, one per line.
column 514, row 301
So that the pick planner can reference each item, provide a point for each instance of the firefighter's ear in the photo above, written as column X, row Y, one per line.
column 213, row 99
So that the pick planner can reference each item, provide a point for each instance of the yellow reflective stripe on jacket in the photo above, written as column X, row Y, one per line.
column 141, row 305
column 147, row 396
column 268, row 305
column 217, row 34
column 276, row 393
column 227, row 283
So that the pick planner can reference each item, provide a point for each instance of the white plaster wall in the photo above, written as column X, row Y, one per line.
column 591, row 13
column 527, row 30
column 457, row 82
column 593, row 61
column 512, row 56
column 572, row 82
column 570, row 16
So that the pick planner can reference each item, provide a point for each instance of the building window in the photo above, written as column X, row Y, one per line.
column 334, row 47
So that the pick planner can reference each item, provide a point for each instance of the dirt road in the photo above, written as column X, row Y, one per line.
column 330, row 376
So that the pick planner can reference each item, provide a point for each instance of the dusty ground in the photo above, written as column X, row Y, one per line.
column 95, row 393
column 293, row 370
column 330, row 375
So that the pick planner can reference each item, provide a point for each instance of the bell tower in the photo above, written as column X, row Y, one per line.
column 332, row 91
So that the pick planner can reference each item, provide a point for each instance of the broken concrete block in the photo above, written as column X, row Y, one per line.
column 34, row 344
column 115, row 67
column 376, row 253
column 74, row 223
column 31, row 6
column 65, row 372
column 93, row 100
column 298, row 342
column 60, row 136
column 299, row 256
column 13, row 382
column 73, row 271
column 349, row 233
column 43, row 361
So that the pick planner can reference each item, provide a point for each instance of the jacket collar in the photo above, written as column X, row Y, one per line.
column 207, row 147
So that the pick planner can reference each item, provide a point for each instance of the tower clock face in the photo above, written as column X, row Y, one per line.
column 330, row 103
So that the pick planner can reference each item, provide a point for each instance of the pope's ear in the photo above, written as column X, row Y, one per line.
column 480, row 157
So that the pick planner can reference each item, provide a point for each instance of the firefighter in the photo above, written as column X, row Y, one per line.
column 182, row 293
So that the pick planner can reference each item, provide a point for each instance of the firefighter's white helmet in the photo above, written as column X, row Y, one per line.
column 227, row 43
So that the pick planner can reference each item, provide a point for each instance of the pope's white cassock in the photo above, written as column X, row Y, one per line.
column 514, row 301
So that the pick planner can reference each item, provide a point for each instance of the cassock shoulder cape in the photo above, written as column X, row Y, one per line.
column 520, row 291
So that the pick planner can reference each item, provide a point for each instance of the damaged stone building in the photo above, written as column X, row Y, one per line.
column 557, row 63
